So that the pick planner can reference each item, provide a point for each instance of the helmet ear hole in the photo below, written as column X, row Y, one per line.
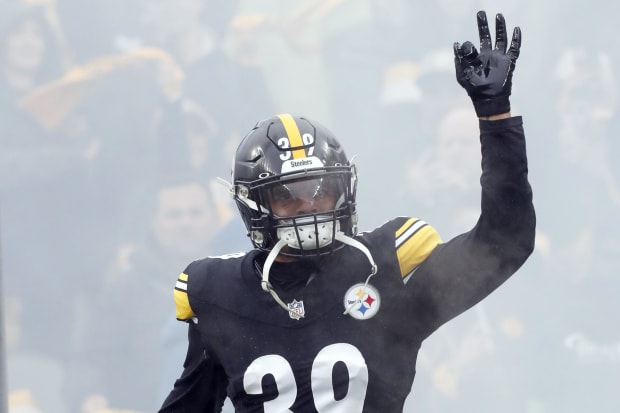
column 257, row 237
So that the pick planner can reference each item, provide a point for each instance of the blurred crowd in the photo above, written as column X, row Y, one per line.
column 118, row 117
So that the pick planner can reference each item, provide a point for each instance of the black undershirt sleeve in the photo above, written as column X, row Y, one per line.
column 202, row 385
column 461, row 272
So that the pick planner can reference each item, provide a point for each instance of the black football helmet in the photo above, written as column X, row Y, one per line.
column 284, row 154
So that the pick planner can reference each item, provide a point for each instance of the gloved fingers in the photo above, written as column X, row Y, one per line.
column 456, row 47
column 469, row 54
column 515, row 45
column 465, row 61
column 500, row 33
column 483, row 31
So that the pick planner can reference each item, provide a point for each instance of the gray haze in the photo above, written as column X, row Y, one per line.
column 118, row 116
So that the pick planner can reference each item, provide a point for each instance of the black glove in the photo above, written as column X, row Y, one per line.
column 487, row 76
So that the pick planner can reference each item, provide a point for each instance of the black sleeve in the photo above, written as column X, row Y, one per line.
column 461, row 272
column 202, row 385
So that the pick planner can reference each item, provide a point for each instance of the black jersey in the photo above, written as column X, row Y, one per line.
column 349, row 343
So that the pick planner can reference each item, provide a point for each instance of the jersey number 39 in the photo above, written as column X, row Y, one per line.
column 321, row 380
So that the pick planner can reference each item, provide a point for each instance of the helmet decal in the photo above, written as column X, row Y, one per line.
column 293, row 139
column 302, row 164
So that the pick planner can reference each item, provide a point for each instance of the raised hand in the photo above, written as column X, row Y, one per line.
column 487, row 75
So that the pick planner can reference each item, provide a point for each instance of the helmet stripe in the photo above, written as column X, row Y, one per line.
column 293, row 134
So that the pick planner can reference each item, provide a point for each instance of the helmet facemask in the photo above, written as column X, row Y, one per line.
column 304, row 210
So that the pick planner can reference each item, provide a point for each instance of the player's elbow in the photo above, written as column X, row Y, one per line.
column 519, row 246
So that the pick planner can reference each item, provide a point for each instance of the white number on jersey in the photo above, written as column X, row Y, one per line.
column 321, row 380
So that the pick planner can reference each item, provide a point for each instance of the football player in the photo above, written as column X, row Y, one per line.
column 320, row 318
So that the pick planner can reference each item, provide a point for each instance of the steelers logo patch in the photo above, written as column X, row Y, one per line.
column 362, row 301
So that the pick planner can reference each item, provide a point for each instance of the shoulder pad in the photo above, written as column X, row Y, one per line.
column 414, row 242
column 184, row 311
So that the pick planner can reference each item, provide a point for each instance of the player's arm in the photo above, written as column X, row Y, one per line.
column 461, row 272
column 202, row 385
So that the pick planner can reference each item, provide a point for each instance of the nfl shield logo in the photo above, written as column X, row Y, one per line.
column 296, row 309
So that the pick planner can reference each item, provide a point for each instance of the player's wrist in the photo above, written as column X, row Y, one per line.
column 491, row 106
column 499, row 116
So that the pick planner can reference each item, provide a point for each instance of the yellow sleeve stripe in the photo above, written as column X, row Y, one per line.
column 293, row 134
column 406, row 225
column 181, row 300
column 408, row 230
column 415, row 240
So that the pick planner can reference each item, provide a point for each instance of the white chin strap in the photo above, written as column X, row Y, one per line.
column 339, row 236
column 265, row 280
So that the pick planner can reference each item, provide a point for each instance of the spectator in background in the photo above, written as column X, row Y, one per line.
column 123, row 354
column 97, row 28
column 191, row 140
column 230, row 85
column 30, row 55
column 584, row 178
column 63, row 205
column 400, row 88
column 89, row 106
column 30, row 159
column 195, row 33
column 442, row 178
